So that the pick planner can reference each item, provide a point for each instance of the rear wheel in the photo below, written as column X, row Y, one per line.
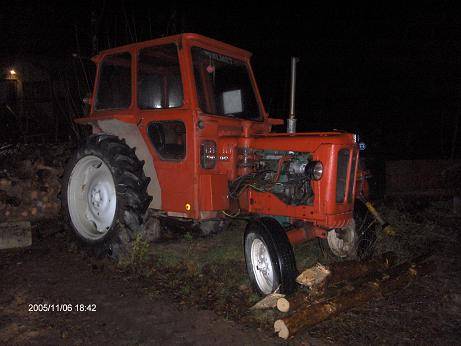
column 269, row 257
column 105, row 194
column 92, row 198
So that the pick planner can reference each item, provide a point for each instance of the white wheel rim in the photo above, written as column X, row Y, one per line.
column 342, row 242
column 91, row 197
column 262, row 266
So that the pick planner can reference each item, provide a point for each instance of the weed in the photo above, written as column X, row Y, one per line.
column 185, row 290
column 188, row 236
column 137, row 258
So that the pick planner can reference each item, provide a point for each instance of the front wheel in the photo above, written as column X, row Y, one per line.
column 269, row 257
column 341, row 242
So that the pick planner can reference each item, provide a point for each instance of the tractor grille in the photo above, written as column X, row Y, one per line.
column 344, row 157
column 341, row 175
column 352, row 178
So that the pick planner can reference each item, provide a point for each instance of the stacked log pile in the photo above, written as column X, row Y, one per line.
column 29, row 191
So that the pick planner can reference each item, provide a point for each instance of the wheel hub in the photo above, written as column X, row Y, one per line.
column 343, row 242
column 91, row 197
column 262, row 266
column 98, row 197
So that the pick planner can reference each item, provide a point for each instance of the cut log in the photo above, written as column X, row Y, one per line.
column 319, row 276
column 5, row 183
column 338, row 272
column 309, row 315
column 290, row 304
column 15, row 234
column 349, row 270
column 314, row 276
column 300, row 298
column 268, row 302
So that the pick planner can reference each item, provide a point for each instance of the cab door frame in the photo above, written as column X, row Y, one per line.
column 178, row 179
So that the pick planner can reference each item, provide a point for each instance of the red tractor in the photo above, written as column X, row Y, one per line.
column 180, row 133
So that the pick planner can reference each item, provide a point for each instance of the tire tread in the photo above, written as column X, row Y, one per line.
column 131, row 188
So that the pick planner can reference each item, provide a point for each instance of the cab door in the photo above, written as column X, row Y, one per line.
column 167, row 125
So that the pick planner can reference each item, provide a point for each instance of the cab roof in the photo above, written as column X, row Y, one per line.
column 180, row 39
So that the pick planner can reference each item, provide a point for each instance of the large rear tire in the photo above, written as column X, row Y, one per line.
column 105, row 195
column 269, row 257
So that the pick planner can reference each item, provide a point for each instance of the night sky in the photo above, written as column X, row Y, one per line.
column 390, row 73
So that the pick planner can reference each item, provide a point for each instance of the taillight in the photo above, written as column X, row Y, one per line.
column 208, row 154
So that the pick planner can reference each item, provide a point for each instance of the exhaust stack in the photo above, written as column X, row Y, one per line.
column 291, row 124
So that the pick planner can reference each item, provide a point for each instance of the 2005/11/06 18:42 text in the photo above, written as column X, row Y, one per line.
column 62, row 307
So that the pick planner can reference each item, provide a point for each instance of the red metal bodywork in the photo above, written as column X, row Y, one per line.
column 308, row 232
column 197, row 193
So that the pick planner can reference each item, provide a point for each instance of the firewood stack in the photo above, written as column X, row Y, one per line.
column 29, row 191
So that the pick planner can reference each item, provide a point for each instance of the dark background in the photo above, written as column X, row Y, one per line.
column 389, row 72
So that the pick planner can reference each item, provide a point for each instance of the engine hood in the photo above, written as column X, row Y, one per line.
column 302, row 141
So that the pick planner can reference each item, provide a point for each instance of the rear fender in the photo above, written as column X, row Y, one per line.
column 130, row 133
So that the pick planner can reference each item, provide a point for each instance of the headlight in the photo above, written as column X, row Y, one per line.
column 314, row 170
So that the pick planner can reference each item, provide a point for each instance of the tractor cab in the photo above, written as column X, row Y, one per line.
column 175, row 91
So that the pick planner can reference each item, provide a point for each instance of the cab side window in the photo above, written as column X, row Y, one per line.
column 159, row 78
column 114, row 88
column 169, row 139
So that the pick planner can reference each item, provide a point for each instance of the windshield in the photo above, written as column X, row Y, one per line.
column 224, row 85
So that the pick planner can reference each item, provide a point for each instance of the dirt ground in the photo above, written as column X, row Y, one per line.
column 51, row 272
column 194, row 291
column 188, row 289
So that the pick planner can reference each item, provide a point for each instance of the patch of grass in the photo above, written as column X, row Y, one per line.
column 228, row 247
column 186, row 290
column 206, row 272
column 210, row 272
column 264, row 319
column 188, row 236
column 219, row 249
column 140, row 249
column 307, row 254
column 138, row 257
column 166, row 258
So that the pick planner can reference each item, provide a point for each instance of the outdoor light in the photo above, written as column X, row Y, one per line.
column 12, row 72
